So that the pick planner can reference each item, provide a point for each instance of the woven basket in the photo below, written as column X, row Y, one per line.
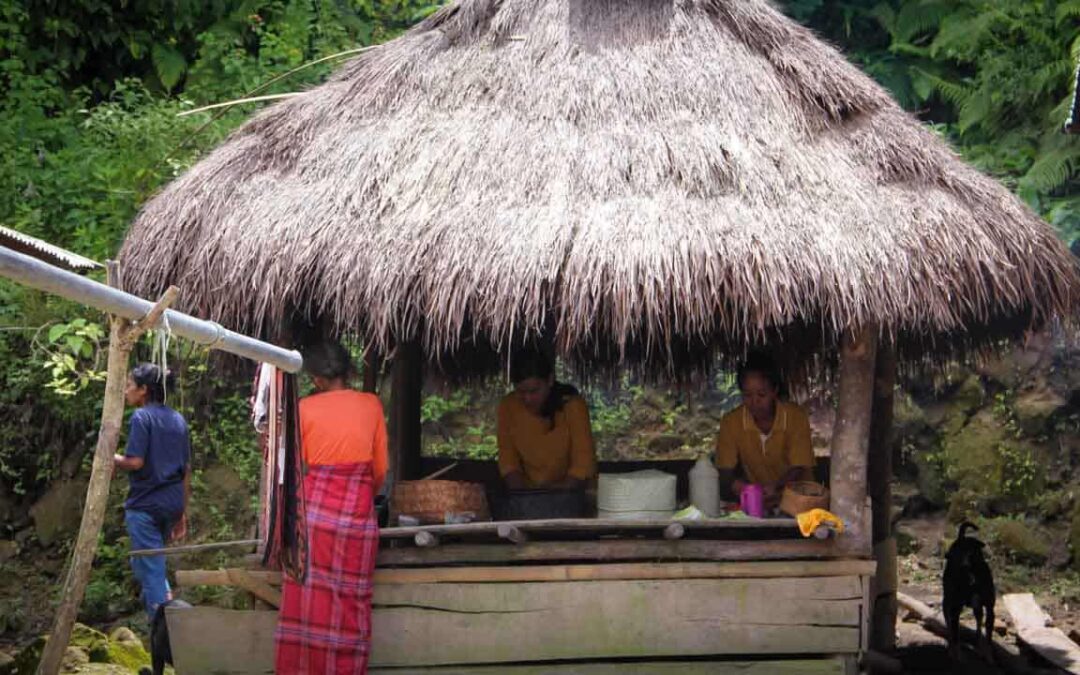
column 803, row 496
column 430, row 500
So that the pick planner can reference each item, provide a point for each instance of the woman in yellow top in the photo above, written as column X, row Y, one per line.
column 545, row 439
column 767, row 440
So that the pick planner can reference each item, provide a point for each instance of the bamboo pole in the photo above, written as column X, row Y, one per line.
column 879, row 479
column 850, row 440
column 122, row 337
column 34, row 273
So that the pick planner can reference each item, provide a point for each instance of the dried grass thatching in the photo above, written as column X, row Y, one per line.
column 655, row 180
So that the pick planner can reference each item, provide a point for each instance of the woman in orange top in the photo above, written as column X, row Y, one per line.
column 544, row 434
column 324, row 625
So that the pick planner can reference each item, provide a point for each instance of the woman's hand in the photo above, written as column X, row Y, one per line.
column 179, row 531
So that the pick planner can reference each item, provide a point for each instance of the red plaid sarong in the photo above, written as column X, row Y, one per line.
column 324, row 625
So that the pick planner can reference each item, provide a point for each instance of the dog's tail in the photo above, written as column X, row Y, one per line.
column 964, row 527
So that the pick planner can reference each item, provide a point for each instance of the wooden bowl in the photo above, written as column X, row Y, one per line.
column 802, row 496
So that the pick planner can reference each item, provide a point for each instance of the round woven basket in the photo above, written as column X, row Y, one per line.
column 803, row 496
column 430, row 500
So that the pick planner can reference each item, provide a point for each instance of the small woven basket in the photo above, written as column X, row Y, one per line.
column 430, row 500
column 802, row 496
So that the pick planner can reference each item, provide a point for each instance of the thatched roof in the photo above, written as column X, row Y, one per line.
column 648, row 177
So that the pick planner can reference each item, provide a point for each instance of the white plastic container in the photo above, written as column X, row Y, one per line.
column 705, row 487
column 639, row 495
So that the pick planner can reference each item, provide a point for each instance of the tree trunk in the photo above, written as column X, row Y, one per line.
column 883, row 621
column 850, row 440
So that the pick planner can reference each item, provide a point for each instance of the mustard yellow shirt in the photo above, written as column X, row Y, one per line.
column 543, row 453
column 765, row 459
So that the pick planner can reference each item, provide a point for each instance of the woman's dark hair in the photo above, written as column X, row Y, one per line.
column 763, row 365
column 148, row 375
column 533, row 363
column 329, row 360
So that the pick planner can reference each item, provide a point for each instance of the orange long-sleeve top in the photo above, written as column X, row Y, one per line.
column 546, row 452
column 344, row 427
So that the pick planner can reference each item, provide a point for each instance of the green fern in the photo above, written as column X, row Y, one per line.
column 1067, row 10
column 1051, row 170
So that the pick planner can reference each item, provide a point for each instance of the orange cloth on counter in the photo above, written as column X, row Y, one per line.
column 344, row 427
column 542, row 452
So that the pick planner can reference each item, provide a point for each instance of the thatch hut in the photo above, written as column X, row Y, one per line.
column 650, row 183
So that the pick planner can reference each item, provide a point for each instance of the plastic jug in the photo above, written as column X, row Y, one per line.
column 705, row 487
column 752, row 500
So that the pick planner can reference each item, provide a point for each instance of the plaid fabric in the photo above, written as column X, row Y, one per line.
column 324, row 625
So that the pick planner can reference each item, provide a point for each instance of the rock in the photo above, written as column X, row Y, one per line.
column 1019, row 541
column 970, row 395
column 8, row 549
column 7, row 663
column 129, row 654
column 1034, row 407
column 59, row 511
column 104, row 669
column 664, row 444
column 1058, row 557
column 74, row 657
column 124, row 634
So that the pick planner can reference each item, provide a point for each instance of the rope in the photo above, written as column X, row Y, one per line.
column 161, row 352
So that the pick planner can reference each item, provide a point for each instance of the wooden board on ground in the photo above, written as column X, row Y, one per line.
column 1051, row 643
column 610, row 551
column 785, row 667
column 611, row 572
column 526, row 622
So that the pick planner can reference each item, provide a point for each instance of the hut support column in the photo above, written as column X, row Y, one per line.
column 851, row 436
column 406, row 395
column 883, row 621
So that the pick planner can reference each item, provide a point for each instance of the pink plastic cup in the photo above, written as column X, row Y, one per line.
column 752, row 500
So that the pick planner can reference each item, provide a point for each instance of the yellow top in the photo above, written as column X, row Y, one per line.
column 543, row 453
column 765, row 458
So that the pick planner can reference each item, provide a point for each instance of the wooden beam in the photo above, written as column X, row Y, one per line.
column 850, row 440
column 879, row 480
column 406, row 393
column 122, row 336
column 609, row 572
column 658, row 549
column 591, row 525
column 260, row 588
column 1032, row 629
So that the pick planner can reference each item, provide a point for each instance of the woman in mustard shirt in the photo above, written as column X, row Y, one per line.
column 544, row 434
column 767, row 440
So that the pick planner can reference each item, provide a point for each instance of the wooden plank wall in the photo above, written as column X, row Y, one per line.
column 442, row 624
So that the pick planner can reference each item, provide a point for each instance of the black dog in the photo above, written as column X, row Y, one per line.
column 968, row 582
column 160, row 650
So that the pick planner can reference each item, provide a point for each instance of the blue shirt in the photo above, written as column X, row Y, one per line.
column 159, row 435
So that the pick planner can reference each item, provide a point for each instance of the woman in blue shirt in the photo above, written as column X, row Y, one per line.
column 158, row 462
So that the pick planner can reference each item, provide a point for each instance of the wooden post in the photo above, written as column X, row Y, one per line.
column 883, row 619
column 122, row 337
column 371, row 370
column 406, row 397
column 851, row 436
